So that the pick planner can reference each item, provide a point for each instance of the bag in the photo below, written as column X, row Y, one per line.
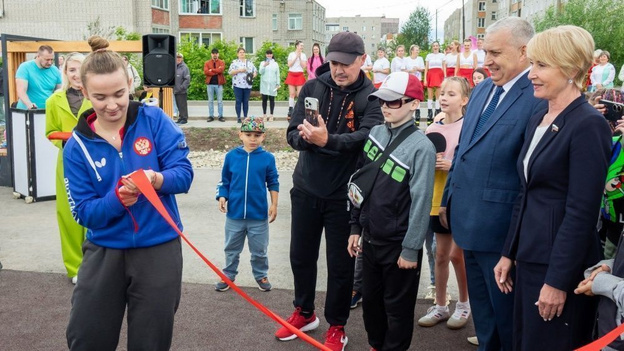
column 249, row 76
column 361, row 182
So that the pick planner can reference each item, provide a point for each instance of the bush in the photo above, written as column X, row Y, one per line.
column 195, row 55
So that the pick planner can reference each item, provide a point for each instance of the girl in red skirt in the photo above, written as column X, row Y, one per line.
column 297, row 60
column 434, row 75
column 467, row 62
column 450, row 59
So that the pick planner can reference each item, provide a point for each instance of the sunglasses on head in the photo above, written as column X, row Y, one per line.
column 394, row 104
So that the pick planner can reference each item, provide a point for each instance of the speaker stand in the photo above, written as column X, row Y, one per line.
column 160, row 95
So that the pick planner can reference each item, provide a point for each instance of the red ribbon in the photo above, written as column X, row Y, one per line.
column 59, row 136
column 603, row 341
column 145, row 187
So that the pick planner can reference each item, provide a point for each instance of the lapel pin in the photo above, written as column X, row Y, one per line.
column 554, row 128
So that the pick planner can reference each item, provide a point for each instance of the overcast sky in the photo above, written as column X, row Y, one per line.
column 390, row 8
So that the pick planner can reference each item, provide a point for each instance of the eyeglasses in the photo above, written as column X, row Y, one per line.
column 395, row 104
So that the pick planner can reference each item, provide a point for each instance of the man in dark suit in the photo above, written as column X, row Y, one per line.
column 483, row 182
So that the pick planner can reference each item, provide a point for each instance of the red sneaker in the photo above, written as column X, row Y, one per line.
column 298, row 321
column 335, row 338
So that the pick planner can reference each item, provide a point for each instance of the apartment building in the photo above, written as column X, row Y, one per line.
column 373, row 30
column 478, row 15
column 249, row 22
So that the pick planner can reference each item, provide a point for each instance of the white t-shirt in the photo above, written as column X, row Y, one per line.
column 398, row 64
column 435, row 60
column 380, row 64
column 298, row 65
column 451, row 60
column 417, row 62
column 466, row 61
column 367, row 62
column 480, row 57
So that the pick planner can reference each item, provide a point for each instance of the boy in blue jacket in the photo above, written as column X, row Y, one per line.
column 247, row 172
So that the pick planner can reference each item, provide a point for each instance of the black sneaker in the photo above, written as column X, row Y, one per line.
column 221, row 119
column 182, row 121
column 263, row 284
column 210, row 119
column 238, row 120
column 222, row 286
column 356, row 298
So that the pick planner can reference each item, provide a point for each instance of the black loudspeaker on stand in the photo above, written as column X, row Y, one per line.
column 159, row 64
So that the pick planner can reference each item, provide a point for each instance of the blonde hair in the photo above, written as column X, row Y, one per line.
column 464, row 88
column 569, row 48
column 71, row 57
column 101, row 60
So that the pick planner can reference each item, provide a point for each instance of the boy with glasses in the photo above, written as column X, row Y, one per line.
column 394, row 220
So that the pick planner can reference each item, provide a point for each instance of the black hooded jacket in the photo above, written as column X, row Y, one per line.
column 324, row 172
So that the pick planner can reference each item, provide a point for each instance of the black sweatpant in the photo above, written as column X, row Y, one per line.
column 147, row 280
column 182, row 106
column 310, row 215
column 388, row 297
column 264, row 103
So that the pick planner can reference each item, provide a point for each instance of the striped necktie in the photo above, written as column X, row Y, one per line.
column 489, row 110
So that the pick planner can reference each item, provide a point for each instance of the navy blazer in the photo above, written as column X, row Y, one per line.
column 554, row 219
column 482, row 183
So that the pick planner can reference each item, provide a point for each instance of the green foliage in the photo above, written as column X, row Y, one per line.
column 195, row 55
column 415, row 30
column 602, row 18
column 122, row 34
column 96, row 28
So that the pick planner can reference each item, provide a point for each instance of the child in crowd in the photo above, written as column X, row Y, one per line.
column 478, row 76
column 394, row 219
column 453, row 100
column 248, row 171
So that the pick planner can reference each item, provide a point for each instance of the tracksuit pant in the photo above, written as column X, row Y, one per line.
column 310, row 216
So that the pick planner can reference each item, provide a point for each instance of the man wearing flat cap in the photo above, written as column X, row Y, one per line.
column 328, row 151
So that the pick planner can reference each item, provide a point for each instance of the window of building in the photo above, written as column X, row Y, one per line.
column 210, row 7
column 481, row 22
column 363, row 28
column 481, row 5
column 373, row 36
column 247, row 8
column 494, row 15
column 480, row 36
column 200, row 38
column 332, row 27
column 363, row 37
column 161, row 4
column 295, row 21
column 345, row 29
column 248, row 44
column 494, row 1
column 373, row 28
column 157, row 30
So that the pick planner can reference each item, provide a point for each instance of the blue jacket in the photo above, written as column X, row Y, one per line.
column 93, row 168
column 483, row 183
column 245, row 178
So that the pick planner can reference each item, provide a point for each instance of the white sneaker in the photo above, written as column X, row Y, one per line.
column 460, row 317
column 431, row 293
column 74, row 280
column 435, row 315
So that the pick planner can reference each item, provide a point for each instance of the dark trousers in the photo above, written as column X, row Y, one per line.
column 271, row 103
column 389, row 297
column 568, row 332
column 242, row 99
column 182, row 106
column 310, row 216
column 492, row 311
column 147, row 280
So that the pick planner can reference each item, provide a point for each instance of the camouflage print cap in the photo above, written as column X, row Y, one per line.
column 252, row 124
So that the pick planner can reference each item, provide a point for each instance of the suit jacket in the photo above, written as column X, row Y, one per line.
column 554, row 219
column 483, row 184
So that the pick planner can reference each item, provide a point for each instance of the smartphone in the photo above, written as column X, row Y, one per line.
column 615, row 110
column 311, row 110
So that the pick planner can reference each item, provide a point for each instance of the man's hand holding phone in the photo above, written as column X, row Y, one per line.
column 316, row 135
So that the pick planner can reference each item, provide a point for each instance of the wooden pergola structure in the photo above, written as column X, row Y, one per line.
column 15, row 48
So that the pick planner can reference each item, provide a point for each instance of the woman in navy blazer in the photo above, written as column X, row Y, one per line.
column 562, row 167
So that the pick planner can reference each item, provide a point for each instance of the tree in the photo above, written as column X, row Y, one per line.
column 416, row 30
column 601, row 18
